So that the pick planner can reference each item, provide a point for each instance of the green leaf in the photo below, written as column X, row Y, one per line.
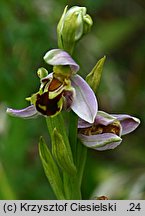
column 93, row 78
column 58, row 123
column 61, row 154
column 51, row 169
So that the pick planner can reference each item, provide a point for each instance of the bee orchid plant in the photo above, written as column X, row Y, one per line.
column 63, row 90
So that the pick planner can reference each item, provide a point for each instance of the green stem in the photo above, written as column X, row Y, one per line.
column 73, row 134
column 72, row 188
column 81, row 160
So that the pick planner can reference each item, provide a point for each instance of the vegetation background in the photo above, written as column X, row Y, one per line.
column 27, row 31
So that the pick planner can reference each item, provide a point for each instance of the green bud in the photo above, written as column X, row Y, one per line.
column 93, row 78
column 42, row 72
column 73, row 24
column 61, row 154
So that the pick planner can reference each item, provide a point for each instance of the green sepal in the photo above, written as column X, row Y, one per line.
column 60, row 27
column 93, row 78
column 51, row 169
column 88, row 22
column 61, row 154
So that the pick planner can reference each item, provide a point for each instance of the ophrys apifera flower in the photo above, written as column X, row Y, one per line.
column 61, row 89
column 106, row 131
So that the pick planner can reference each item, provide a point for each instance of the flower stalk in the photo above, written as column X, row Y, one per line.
column 73, row 131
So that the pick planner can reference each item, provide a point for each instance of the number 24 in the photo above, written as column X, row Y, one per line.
column 134, row 207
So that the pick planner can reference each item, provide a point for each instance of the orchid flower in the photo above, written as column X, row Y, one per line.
column 106, row 131
column 61, row 89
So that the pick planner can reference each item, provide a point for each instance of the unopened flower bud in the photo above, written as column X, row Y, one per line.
column 73, row 24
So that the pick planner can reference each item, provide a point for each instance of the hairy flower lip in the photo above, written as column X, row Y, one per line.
column 46, row 106
column 106, row 140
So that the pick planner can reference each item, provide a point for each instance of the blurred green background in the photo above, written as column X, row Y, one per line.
column 27, row 31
